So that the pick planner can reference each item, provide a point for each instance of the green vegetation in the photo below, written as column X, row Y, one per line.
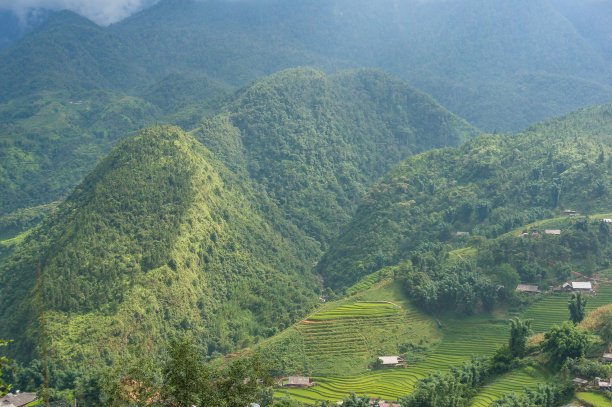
column 160, row 238
column 577, row 307
column 515, row 381
column 4, row 387
column 487, row 187
column 315, row 143
column 552, row 309
column 596, row 400
column 565, row 341
column 347, row 336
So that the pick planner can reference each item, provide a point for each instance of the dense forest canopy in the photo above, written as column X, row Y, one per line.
column 486, row 187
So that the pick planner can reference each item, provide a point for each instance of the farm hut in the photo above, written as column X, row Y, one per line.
column 389, row 360
column 606, row 220
column 298, row 381
column 17, row 399
column 528, row 288
column 462, row 234
column 580, row 382
column 584, row 286
column 607, row 358
column 552, row 231
column 385, row 404
column 603, row 384
column 569, row 212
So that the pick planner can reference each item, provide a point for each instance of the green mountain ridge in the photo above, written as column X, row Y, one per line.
column 159, row 239
column 488, row 186
column 466, row 53
column 316, row 142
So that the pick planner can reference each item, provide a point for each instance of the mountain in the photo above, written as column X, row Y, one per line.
column 488, row 186
column 492, row 62
column 315, row 143
column 379, row 119
column 67, row 52
column 159, row 239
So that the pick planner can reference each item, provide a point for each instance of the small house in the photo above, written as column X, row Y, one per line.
column 584, row 286
column 528, row 288
column 17, row 399
column 464, row 234
column 552, row 231
column 298, row 381
column 580, row 382
column 606, row 220
column 390, row 360
column 569, row 212
column 603, row 384
column 607, row 358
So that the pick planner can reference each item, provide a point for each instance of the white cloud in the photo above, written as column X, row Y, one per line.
column 102, row 12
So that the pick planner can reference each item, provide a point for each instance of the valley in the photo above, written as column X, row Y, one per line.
column 269, row 203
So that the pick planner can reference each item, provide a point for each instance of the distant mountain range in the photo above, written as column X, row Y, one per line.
column 501, row 65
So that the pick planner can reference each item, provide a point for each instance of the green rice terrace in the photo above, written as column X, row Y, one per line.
column 338, row 345
column 551, row 310
column 515, row 381
column 364, row 327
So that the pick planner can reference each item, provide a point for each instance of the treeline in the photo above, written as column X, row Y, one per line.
column 436, row 283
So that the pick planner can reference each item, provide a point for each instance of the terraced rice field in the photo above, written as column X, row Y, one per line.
column 593, row 399
column 515, row 381
column 552, row 310
column 462, row 339
column 351, row 333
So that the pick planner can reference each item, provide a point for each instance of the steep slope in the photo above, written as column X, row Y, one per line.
column 49, row 142
column 486, row 187
column 316, row 142
column 159, row 239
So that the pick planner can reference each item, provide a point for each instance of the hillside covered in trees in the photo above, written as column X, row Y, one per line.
column 486, row 187
column 160, row 238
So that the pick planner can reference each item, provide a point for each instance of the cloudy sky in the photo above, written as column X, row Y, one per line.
column 102, row 12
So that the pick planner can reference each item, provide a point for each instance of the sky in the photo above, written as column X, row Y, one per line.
column 102, row 12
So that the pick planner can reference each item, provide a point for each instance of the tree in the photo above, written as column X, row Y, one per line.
column 133, row 380
column 565, row 341
column 577, row 307
column 508, row 277
column 4, row 388
column 605, row 331
column 239, row 384
column 519, row 332
column 184, row 375
column 358, row 401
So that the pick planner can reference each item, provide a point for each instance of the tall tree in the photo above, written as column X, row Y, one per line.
column 4, row 388
column 577, row 307
column 565, row 341
column 519, row 332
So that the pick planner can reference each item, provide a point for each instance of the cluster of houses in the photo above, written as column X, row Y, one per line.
column 586, row 287
column 598, row 382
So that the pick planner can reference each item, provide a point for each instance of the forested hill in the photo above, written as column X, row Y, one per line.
column 499, row 64
column 71, row 54
column 159, row 239
column 315, row 143
column 496, row 63
column 486, row 187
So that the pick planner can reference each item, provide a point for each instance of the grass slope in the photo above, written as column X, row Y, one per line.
column 347, row 336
